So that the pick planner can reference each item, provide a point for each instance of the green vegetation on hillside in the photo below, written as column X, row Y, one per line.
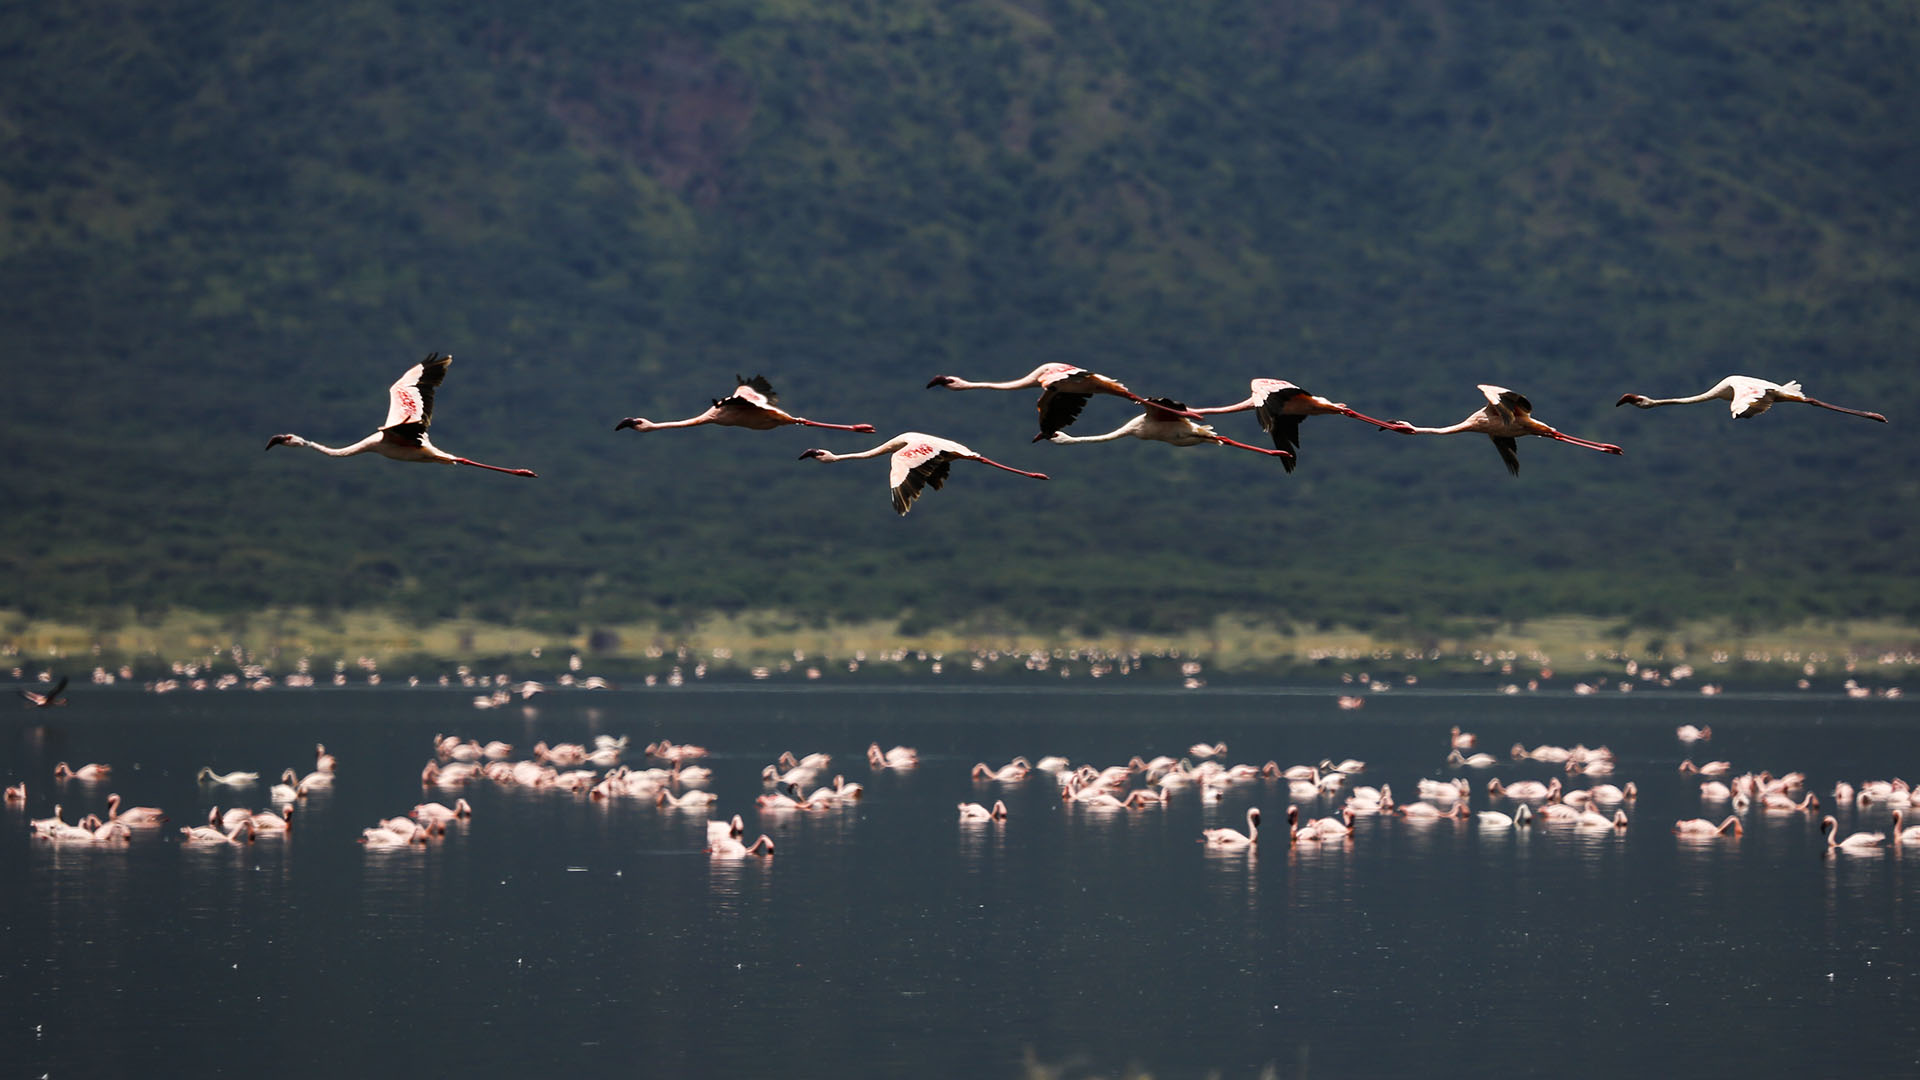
column 224, row 221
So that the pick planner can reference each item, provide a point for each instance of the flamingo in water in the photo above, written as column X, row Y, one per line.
column 751, row 405
column 1064, row 391
column 1234, row 838
column 1747, row 396
column 1162, row 420
column 1281, row 406
column 1504, row 419
column 919, row 461
column 403, row 437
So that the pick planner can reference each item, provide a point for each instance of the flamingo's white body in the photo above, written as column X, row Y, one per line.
column 1233, row 838
column 1505, row 418
column 209, row 834
column 900, row 757
column 439, row 813
column 85, row 773
column 1281, row 406
column 973, row 811
column 729, row 847
column 1016, row 769
column 237, row 779
column 1164, row 420
column 139, row 816
column 404, row 435
column 1064, row 391
column 1860, row 841
column 1522, row 815
column 1703, row 827
column 918, row 461
column 1747, row 397
column 692, row 800
column 751, row 405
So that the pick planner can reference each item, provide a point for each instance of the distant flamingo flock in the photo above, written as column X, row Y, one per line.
column 1578, row 793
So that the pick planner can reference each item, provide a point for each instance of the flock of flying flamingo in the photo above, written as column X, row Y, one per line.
column 918, row 460
column 1588, row 800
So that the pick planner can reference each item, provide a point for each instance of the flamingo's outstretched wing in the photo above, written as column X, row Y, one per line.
column 1059, row 408
column 1749, row 399
column 759, row 386
column 410, row 400
column 1509, row 448
column 908, row 479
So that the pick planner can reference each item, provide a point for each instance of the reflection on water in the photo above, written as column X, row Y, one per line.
column 889, row 938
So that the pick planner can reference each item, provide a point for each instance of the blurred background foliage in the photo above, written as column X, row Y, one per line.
column 222, row 221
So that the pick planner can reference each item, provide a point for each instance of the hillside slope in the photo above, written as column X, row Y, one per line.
column 224, row 222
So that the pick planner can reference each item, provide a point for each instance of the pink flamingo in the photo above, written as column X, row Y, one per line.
column 47, row 699
column 210, row 834
column 973, row 811
column 919, row 461
column 440, row 813
column 1281, row 406
column 1703, row 827
column 84, row 773
column 1164, row 420
column 404, row 435
column 751, row 405
column 1505, row 418
column 730, row 847
column 1747, row 396
column 133, row 815
column 17, row 793
column 1859, row 841
column 1234, row 838
column 1064, row 391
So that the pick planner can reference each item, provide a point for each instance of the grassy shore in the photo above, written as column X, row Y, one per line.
column 1558, row 650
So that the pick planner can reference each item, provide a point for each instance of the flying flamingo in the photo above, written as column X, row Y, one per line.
column 1161, row 420
column 1281, row 406
column 1064, row 391
column 1747, row 396
column 404, row 435
column 919, row 461
column 48, row 699
column 1505, row 418
column 751, row 405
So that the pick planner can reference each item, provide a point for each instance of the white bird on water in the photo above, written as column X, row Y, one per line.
column 403, row 437
column 751, row 405
column 1747, row 397
column 1234, row 838
column 919, row 461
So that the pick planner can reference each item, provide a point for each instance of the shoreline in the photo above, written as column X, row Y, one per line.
column 298, row 647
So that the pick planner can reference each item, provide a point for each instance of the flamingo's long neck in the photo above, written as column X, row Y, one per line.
column 1131, row 427
column 1011, row 384
column 887, row 447
column 1238, row 406
column 360, row 447
column 1476, row 422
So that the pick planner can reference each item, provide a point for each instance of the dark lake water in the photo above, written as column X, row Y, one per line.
column 551, row 931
